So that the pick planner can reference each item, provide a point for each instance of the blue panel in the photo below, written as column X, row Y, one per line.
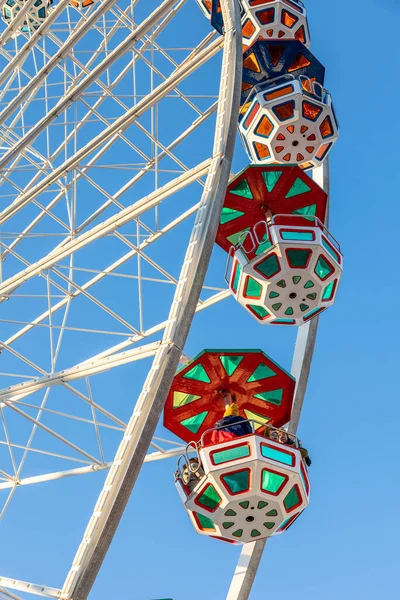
column 275, row 58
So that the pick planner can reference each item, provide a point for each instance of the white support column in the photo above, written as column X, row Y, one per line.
column 250, row 557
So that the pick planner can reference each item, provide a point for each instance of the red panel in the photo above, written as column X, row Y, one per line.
column 237, row 383
column 255, row 208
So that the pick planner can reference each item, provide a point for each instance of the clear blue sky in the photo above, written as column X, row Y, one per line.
column 346, row 544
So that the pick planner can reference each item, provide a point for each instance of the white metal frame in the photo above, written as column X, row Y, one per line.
column 52, row 176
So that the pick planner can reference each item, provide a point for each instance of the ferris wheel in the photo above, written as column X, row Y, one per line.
column 118, row 128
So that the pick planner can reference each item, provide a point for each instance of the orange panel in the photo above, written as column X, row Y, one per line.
column 276, row 53
column 310, row 149
column 300, row 157
column 288, row 19
column 251, row 63
column 251, row 116
column 246, row 86
column 284, row 111
column 300, row 34
column 262, row 150
column 306, row 84
column 248, row 29
column 303, row 129
column 279, row 93
column 264, row 127
column 299, row 63
column 290, row 128
column 326, row 128
column 266, row 16
column 279, row 149
column 287, row 157
column 311, row 111
column 322, row 150
column 280, row 137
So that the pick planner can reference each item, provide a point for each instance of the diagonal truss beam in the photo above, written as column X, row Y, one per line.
column 85, row 369
column 121, row 124
column 126, row 215
column 77, row 89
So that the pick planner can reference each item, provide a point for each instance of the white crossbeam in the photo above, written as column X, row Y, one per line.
column 89, row 367
column 67, row 247
column 31, row 588
column 121, row 124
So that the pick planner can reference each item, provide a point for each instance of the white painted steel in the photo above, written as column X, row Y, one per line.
column 251, row 554
column 57, row 173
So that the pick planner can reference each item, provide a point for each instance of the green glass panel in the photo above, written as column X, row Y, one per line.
column 242, row 189
column 309, row 284
column 234, row 238
column 281, row 283
column 271, row 179
column 309, row 211
column 230, row 363
column 238, row 274
column 228, row 524
column 230, row 513
column 277, row 306
column 283, row 321
column 327, row 293
column 262, row 372
column 181, row 398
column 277, row 455
column 271, row 482
column 209, row 498
column 284, row 523
column 269, row 266
column 269, row 525
column 205, row 522
column 331, row 251
column 296, row 279
column 298, row 258
column 305, row 236
column 299, row 187
column 262, row 504
column 304, row 307
column 322, row 268
column 289, row 311
column 229, row 214
column 264, row 245
column 238, row 533
column 194, row 423
column 259, row 310
column 272, row 513
column 255, row 533
column 198, row 373
column 311, row 296
column 237, row 482
column 273, row 397
column 312, row 312
column 292, row 499
column 253, row 288
column 231, row 454
column 244, row 504
column 273, row 295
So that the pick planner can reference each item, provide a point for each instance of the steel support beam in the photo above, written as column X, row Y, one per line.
column 250, row 557
column 131, row 453
column 126, row 215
